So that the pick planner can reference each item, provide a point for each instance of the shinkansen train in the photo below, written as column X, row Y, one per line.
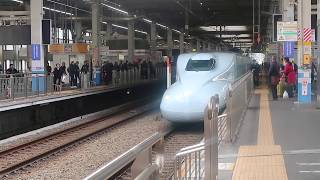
column 199, row 77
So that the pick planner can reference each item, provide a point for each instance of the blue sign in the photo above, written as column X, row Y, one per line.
column 36, row 53
column 304, row 86
column 288, row 49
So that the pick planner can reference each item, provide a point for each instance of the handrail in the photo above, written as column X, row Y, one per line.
column 120, row 162
column 223, row 115
column 200, row 148
column 192, row 147
column 151, row 170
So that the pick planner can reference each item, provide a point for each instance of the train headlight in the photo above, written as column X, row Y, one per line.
column 167, row 97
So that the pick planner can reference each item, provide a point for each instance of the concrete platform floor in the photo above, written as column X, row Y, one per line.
column 294, row 133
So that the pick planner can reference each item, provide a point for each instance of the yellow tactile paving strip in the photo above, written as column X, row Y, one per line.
column 265, row 133
column 263, row 161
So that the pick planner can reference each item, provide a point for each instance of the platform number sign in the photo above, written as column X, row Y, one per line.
column 36, row 51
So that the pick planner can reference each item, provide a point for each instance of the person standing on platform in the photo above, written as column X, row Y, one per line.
column 255, row 68
column 12, row 70
column 274, row 75
column 76, row 74
column 85, row 67
column 64, row 73
column 109, row 68
column 144, row 70
column 104, row 72
column 116, row 69
column 71, row 71
column 295, row 68
column 84, row 72
column 290, row 76
column 57, row 74
column 49, row 69
column 121, row 66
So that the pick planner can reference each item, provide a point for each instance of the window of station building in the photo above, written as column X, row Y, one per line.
column 60, row 35
column 7, row 63
column 8, row 47
column 22, row 65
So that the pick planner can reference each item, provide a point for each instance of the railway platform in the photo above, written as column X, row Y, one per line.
column 27, row 111
column 274, row 140
column 277, row 140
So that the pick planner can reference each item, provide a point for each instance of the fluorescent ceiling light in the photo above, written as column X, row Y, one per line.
column 116, row 9
column 18, row 1
column 244, row 44
column 163, row 26
column 159, row 36
column 234, row 36
column 122, row 27
column 176, row 40
column 176, row 31
column 224, row 28
column 239, row 40
column 140, row 31
column 147, row 20
column 58, row 11
column 112, row 3
column 118, row 26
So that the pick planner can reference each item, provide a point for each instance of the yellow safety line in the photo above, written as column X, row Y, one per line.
column 259, row 166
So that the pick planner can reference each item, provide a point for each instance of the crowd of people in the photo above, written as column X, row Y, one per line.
column 108, row 69
column 147, row 68
column 61, row 73
column 283, row 77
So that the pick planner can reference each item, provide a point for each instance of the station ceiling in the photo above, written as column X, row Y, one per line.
column 170, row 13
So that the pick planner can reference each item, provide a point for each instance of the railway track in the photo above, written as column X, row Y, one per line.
column 175, row 140
column 26, row 155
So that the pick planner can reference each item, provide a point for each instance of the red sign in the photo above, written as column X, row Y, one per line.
column 307, row 35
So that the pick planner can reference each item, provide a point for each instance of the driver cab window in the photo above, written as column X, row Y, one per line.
column 200, row 65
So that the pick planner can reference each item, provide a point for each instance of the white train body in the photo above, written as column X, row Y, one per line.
column 199, row 77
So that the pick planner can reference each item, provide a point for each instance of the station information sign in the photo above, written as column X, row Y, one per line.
column 287, row 31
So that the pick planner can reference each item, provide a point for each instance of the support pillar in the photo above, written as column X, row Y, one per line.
column 153, row 36
column 131, row 43
column 96, row 41
column 209, row 46
column 169, row 42
column 304, row 21
column 109, row 31
column 37, row 57
column 304, row 52
column 217, row 48
column 153, row 39
column 78, row 30
column 181, row 44
column 198, row 45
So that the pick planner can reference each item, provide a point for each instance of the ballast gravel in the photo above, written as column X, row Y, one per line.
column 83, row 159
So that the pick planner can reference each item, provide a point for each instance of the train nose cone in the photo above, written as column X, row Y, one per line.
column 181, row 105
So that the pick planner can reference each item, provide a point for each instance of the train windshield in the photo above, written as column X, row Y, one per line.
column 200, row 65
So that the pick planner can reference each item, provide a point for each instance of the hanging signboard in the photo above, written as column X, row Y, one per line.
column 36, row 51
column 288, row 49
column 287, row 31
